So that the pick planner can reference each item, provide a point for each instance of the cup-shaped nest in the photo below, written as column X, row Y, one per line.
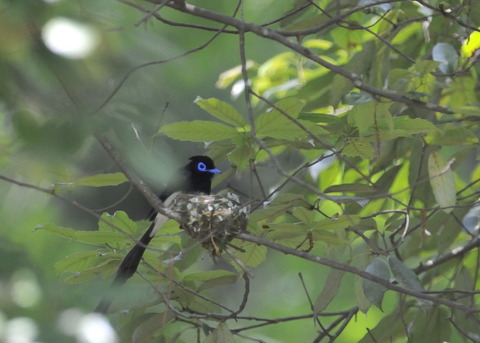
column 212, row 220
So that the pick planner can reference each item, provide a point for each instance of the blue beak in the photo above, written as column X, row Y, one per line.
column 214, row 171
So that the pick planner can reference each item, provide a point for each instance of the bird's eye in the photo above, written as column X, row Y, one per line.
column 201, row 166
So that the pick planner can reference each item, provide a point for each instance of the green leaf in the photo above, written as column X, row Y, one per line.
column 78, row 262
column 430, row 326
column 442, row 182
column 404, row 275
column 286, row 231
column 329, row 291
column 220, row 335
column 89, row 237
column 90, row 273
column 221, row 110
column 362, row 301
column 150, row 324
column 451, row 134
column 356, row 98
column 199, row 131
column 356, row 188
column 253, row 254
column 119, row 219
column 341, row 222
column 358, row 148
column 275, row 124
column 240, row 157
column 374, row 291
column 305, row 215
column 327, row 237
column 102, row 180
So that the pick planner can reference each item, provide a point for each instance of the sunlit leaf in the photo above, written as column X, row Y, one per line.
column 222, row 110
column 276, row 124
column 198, row 131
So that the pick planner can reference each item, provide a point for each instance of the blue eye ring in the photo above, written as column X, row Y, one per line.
column 201, row 166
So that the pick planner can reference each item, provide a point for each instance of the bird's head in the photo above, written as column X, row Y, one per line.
column 202, row 166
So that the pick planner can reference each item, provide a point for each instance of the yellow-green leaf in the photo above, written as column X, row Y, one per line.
column 221, row 110
column 102, row 180
column 199, row 131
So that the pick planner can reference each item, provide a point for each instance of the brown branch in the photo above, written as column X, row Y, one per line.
column 282, row 39
column 454, row 253
column 349, row 269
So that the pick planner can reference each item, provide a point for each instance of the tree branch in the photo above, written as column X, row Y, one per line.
column 349, row 269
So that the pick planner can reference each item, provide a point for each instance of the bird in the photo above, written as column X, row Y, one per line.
column 194, row 178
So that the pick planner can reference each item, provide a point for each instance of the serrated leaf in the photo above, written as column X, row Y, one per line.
column 220, row 335
column 120, row 220
column 329, row 291
column 442, row 182
column 404, row 275
column 89, row 237
column 222, row 110
column 372, row 290
column 275, row 124
column 253, row 254
column 358, row 148
column 357, row 188
column 102, row 180
column 199, row 131
column 78, row 262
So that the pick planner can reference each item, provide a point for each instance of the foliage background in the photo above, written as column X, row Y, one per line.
column 384, row 133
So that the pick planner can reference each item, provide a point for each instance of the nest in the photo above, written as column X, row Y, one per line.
column 212, row 220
